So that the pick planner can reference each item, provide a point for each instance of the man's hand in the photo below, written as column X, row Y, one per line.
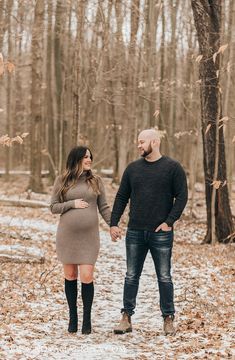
column 115, row 233
column 163, row 227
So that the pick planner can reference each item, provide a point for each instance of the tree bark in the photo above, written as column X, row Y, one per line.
column 2, row 25
column 228, row 94
column 36, row 101
column 173, row 77
column 60, row 19
column 152, row 11
column 49, row 113
column 8, row 151
column 207, row 16
column 77, row 73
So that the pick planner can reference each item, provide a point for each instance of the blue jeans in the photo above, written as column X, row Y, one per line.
column 160, row 243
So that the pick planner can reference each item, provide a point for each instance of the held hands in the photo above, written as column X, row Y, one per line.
column 163, row 227
column 81, row 204
column 115, row 233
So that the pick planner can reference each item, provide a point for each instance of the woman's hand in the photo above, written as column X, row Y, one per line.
column 81, row 204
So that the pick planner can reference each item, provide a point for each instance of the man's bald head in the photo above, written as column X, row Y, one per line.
column 149, row 134
column 149, row 143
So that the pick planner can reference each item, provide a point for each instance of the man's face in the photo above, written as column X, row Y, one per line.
column 144, row 147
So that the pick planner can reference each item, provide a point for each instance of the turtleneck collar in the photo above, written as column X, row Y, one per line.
column 83, row 174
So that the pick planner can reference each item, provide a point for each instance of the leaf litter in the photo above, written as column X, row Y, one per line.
column 34, row 315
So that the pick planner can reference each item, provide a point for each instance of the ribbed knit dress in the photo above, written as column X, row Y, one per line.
column 77, row 237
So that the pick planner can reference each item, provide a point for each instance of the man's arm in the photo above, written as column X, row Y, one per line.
column 119, row 205
column 180, row 192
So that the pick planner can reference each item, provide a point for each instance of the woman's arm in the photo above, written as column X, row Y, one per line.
column 103, row 207
column 58, row 207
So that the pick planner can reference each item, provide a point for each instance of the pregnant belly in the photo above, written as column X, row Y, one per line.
column 79, row 219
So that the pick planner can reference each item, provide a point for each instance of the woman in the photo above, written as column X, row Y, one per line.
column 76, row 196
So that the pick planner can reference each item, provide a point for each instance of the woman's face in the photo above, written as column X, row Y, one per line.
column 86, row 162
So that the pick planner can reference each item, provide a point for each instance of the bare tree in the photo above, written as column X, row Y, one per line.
column 207, row 16
column 9, row 88
column 2, row 25
column 36, row 101
column 60, row 22
column 107, row 69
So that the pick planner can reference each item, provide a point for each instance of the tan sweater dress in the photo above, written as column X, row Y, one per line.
column 77, row 237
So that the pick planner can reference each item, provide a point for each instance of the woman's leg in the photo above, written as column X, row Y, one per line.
column 70, row 284
column 87, row 289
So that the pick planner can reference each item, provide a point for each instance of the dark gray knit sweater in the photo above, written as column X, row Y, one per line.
column 157, row 191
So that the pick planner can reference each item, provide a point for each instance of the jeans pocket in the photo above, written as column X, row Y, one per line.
column 133, row 236
column 165, row 231
column 163, row 237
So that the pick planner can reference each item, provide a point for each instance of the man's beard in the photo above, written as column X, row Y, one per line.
column 148, row 151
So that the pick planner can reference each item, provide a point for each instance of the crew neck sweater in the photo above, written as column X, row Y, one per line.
column 157, row 191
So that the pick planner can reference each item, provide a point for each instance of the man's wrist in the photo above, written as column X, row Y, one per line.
column 169, row 222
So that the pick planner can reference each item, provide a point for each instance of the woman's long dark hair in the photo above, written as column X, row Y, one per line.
column 74, row 170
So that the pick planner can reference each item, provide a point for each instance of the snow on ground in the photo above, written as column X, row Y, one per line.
column 33, row 312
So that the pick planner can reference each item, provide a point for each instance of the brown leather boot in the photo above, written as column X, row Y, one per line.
column 168, row 325
column 124, row 326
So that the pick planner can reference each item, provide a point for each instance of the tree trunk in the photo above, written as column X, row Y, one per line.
column 77, row 74
column 228, row 95
column 2, row 25
column 49, row 93
column 161, row 122
column 207, row 16
column 8, row 151
column 122, row 126
column 152, row 11
column 60, row 19
column 36, row 101
column 173, row 77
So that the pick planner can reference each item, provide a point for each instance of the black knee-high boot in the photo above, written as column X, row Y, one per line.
column 87, row 299
column 71, row 292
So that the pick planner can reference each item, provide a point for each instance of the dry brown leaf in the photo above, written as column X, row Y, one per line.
column 199, row 58
column 4, row 140
column 216, row 184
column 24, row 135
column 222, row 49
column 1, row 64
column 214, row 56
column 208, row 128
column 10, row 67
column 225, row 182
column 18, row 139
column 157, row 112
column 225, row 118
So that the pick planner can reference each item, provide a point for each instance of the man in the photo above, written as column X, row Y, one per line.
column 157, row 188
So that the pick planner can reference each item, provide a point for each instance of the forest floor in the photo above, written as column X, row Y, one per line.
column 33, row 310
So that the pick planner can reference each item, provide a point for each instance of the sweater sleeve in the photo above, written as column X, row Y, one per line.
column 180, row 192
column 103, row 207
column 121, row 199
column 58, row 207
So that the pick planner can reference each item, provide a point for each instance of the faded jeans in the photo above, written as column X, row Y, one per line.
column 160, row 243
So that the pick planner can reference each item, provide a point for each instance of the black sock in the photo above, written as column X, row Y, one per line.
column 71, row 292
column 87, row 299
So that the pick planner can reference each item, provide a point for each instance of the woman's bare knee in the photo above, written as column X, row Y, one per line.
column 86, row 273
column 70, row 271
column 86, row 278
